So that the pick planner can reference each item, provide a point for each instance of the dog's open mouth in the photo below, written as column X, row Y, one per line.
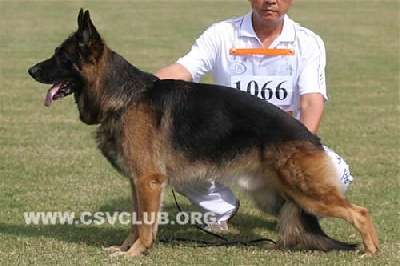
column 58, row 91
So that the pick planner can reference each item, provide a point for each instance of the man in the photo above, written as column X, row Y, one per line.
column 270, row 56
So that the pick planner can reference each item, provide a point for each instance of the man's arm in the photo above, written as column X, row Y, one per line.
column 174, row 71
column 311, row 110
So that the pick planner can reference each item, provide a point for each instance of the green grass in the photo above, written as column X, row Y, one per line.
column 49, row 161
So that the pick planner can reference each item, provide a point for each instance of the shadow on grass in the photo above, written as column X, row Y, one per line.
column 243, row 227
column 107, row 234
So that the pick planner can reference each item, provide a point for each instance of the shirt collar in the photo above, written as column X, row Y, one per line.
column 287, row 35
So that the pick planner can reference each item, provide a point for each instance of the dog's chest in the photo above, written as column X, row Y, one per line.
column 108, row 140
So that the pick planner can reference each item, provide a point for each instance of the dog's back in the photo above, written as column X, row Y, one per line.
column 216, row 123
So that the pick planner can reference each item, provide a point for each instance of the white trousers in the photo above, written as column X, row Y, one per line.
column 219, row 199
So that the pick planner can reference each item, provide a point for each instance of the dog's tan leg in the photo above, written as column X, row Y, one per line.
column 359, row 217
column 336, row 206
column 133, row 235
column 333, row 204
column 149, row 190
column 362, row 220
column 309, row 179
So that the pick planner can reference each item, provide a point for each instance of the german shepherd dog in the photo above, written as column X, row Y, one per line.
column 157, row 131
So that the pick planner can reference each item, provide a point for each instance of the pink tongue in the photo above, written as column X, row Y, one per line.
column 50, row 93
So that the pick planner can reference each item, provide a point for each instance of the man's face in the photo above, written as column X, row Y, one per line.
column 270, row 10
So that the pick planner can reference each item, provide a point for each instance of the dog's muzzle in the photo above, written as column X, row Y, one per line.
column 33, row 70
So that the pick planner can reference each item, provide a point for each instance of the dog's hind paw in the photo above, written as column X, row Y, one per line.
column 269, row 246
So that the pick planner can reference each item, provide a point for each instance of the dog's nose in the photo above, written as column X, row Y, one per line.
column 33, row 70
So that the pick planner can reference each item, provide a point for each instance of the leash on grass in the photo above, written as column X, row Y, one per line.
column 199, row 243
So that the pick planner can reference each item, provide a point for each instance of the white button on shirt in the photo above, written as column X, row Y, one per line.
column 306, row 67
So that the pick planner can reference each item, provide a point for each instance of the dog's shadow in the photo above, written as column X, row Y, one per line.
column 243, row 227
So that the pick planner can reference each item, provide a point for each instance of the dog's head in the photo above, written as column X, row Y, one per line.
column 68, row 69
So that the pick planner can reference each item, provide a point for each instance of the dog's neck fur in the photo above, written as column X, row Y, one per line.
column 124, row 82
column 119, row 81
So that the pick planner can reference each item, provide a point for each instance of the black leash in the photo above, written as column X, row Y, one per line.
column 199, row 243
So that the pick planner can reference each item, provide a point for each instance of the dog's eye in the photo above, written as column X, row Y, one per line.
column 61, row 57
column 63, row 60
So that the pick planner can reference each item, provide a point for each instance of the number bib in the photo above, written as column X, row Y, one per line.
column 277, row 90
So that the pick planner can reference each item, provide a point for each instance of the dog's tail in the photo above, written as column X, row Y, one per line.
column 301, row 230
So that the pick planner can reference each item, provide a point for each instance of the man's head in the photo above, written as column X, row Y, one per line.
column 270, row 10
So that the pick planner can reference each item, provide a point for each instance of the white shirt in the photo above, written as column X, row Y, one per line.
column 306, row 68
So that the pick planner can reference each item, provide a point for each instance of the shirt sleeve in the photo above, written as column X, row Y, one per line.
column 312, row 73
column 201, row 57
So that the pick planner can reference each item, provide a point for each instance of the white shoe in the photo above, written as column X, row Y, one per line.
column 217, row 226
column 222, row 225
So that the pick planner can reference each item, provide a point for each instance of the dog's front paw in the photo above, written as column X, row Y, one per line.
column 136, row 249
column 118, row 254
column 125, row 245
column 114, row 248
column 369, row 253
column 129, row 253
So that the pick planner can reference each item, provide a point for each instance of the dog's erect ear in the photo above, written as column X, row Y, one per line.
column 88, row 37
column 86, row 27
column 80, row 18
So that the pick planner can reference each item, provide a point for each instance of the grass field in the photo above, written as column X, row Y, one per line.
column 49, row 161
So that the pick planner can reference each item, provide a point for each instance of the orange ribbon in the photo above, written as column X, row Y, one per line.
column 260, row 51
